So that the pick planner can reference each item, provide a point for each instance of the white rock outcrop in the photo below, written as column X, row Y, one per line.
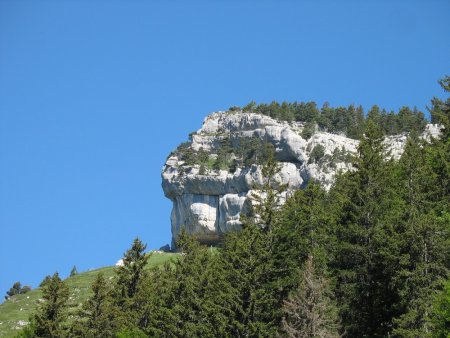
column 208, row 205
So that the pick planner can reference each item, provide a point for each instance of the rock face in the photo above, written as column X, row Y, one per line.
column 208, row 203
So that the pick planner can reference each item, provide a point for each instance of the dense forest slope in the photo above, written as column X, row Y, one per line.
column 211, row 177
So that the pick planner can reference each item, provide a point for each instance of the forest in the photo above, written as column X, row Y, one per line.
column 350, row 121
column 368, row 258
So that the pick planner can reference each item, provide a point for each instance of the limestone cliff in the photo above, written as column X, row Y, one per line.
column 208, row 199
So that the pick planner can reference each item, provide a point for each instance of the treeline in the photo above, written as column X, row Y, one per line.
column 350, row 120
column 369, row 258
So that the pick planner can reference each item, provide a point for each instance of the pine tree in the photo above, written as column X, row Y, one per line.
column 191, row 299
column 368, row 206
column 129, row 279
column 428, row 244
column 157, row 302
column 266, row 201
column 309, row 311
column 426, row 235
column 440, row 315
column 246, row 260
column 14, row 290
column 188, row 290
column 425, row 238
column 97, row 317
column 132, row 270
column 438, row 156
column 306, row 226
column 50, row 319
column 74, row 271
column 246, row 257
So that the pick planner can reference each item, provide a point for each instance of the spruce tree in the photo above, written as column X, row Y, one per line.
column 129, row 279
column 132, row 270
column 425, row 235
column 97, row 317
column 188, row 290
column 157, row 302
column 305, row 226
column 367, row 202
column 440, row 315
column 438, row 156
column 310, row 311
column 74, row 271
column 190, row 298
column 247, row 259
column 266, row 199
column 203, row 297
column 51, row 316
column 426, row 231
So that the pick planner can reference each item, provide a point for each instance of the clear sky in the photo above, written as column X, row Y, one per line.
column 95, row 94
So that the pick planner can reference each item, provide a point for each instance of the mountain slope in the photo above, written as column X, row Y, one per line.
column 15, row 312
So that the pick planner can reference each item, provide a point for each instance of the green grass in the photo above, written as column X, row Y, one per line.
column 20, row 307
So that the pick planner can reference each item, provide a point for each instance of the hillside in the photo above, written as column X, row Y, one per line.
column 15, row 312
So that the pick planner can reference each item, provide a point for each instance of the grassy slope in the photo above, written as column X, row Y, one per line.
column 19, row 307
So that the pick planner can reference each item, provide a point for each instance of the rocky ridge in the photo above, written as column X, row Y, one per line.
column 208, row 202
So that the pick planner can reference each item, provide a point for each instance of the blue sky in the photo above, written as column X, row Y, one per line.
column 95, row 94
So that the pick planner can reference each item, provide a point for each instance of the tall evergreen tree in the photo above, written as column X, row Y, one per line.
column 50, row 319
column 310, row 311
column 247, row 257
column 74, row 271
column 438, row 155
column 426, row 238
column 132, row 270
column 128, row 281
column 156, row 299
column 266, row 201
column 97, row 317
column 366, row 198
column 440, row 315
column 305, row 227
column 199, row 302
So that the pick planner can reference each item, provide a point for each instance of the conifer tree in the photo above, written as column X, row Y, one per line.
column 426, row 269
column 247, row 258
column 440, row 315
column 438, row 155
column 156, row 300
column 425, row 241
column 306, row 226
column 426, row 229
column 74, row 271
column 368, row 204
column 97, row 316
column 309, row 311
column 129, row 279
column 132, row 270
column 17, row 289
column 188, row 290
column 190, row 299
column 266, row 202
column 50, row 319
